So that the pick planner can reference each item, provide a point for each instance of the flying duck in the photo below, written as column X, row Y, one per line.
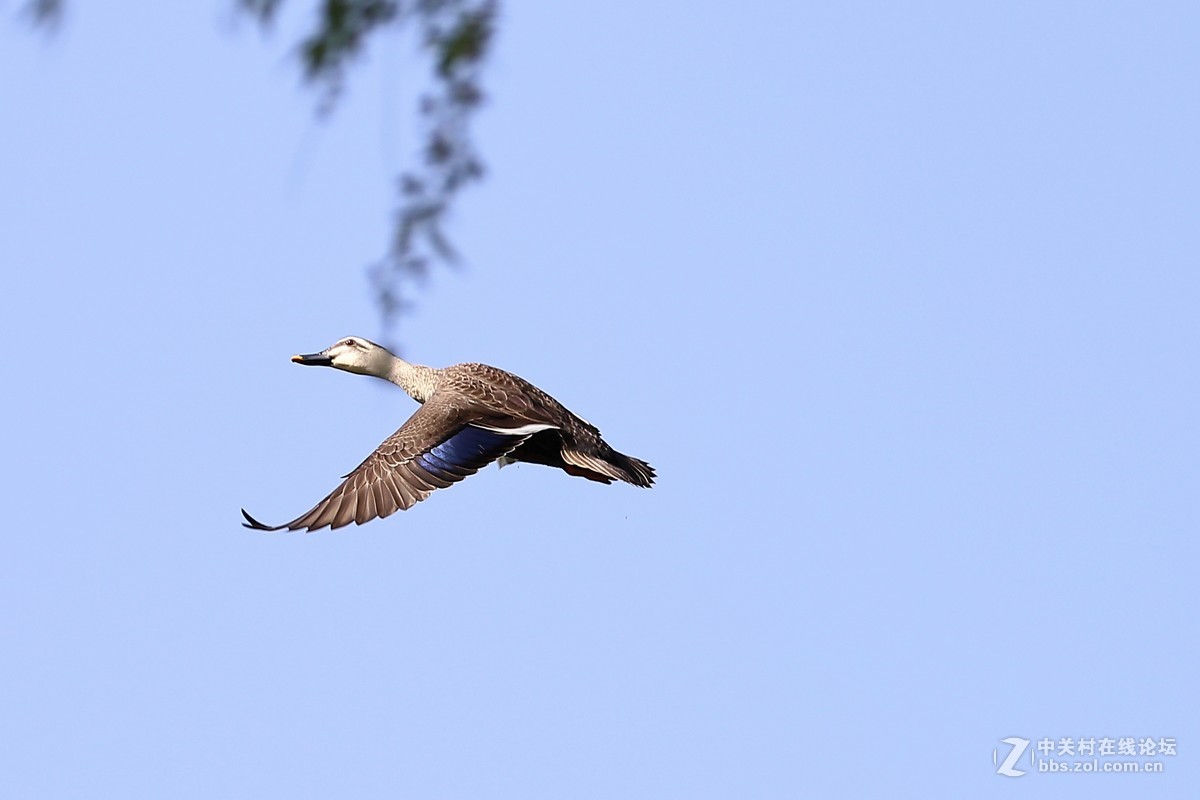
column 470, row 416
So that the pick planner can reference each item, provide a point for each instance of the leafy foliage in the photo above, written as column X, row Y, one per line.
column 458, row 35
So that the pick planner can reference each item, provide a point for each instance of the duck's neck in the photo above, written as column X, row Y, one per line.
column 419, row 381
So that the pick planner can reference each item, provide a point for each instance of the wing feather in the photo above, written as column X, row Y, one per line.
column 437, row 447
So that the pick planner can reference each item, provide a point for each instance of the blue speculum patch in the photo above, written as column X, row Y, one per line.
column 468, row 449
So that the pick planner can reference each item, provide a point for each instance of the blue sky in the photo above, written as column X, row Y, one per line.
column 900, row 301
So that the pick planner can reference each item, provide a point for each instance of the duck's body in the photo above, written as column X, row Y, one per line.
column 471, row 415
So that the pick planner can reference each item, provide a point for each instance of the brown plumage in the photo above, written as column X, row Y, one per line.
column 471, row 415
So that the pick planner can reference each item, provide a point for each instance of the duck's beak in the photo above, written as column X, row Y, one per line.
column 314, row 360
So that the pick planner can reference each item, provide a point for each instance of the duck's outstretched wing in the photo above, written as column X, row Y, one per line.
column 436, row 447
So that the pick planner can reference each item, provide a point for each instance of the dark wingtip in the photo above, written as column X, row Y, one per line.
column 254, row 524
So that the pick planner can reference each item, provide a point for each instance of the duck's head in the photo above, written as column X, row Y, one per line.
column 353, row 354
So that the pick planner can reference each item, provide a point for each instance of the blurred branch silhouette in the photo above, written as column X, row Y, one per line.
column 44, row 13
column 457, row 36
